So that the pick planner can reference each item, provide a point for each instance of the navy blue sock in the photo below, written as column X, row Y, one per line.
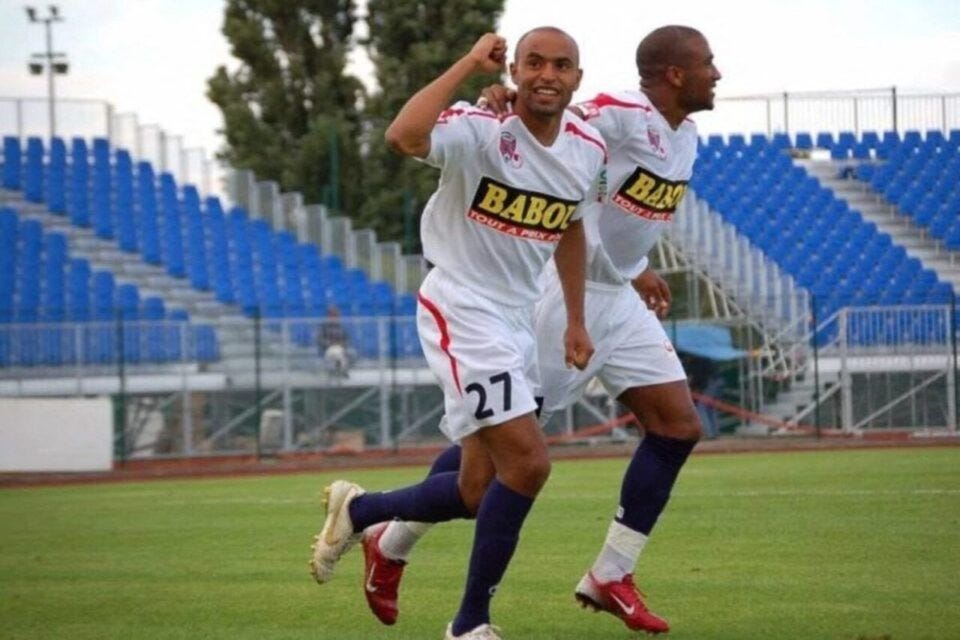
column 649, row 479
column 436, row 499
column 499, row 519
column 448, row 460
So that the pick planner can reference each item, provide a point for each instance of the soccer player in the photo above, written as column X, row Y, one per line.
column 652, row 146
column 508, row 199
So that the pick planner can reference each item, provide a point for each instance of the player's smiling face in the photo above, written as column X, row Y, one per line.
column 546, row 72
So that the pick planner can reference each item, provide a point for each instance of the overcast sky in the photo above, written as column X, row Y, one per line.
column 153, row 57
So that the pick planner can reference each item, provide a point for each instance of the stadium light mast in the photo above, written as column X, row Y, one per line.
column 55, row 63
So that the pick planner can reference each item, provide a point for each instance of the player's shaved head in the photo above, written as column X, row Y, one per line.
column 664, row 47
column 553, row 30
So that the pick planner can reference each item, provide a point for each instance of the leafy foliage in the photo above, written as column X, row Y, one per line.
column 291, row 113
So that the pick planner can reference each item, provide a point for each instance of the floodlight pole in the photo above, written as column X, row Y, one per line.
column 60, row 66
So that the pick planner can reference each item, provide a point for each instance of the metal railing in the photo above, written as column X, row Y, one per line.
column 883, row 109
column 25, row 117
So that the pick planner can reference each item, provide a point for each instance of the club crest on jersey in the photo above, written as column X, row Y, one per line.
column 653, row 137
column 508, row 149
column 520, row 213
column 649, row 196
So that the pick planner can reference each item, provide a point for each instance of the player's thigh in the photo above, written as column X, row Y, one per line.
column 640, row 353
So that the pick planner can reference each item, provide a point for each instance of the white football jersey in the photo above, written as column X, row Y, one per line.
column 649, row 165
column 504, row 199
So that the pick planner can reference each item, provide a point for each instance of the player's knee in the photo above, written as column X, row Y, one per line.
column 471, row 492
column 539, row 471
column 683, row 426
column 529, row 476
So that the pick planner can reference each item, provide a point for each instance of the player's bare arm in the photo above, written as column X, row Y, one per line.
column 570, row 258
column 654, row 291
column 409, row 133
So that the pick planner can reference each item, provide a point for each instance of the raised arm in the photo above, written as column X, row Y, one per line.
column 409, row 133
column 570, row 257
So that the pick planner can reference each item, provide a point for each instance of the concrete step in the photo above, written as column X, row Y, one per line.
column 888, row 219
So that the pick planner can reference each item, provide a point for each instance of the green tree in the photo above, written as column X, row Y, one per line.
column 290, row 112
column 411, row 43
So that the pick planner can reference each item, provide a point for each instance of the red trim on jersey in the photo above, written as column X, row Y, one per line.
column 606, row 100
column 449, row 113
column 575, row 130
column 444, row 337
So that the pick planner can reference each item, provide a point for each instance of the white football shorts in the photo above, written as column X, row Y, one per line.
column 483, row 353
column 631, row 347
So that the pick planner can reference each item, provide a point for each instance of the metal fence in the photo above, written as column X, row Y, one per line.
column 25, row 117
column 266, row 384
column 885, row 109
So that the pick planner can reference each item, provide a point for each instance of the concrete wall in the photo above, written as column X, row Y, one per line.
column 40, row 434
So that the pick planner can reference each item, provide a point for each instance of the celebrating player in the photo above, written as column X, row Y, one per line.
column 652, row 148
column 508, row 199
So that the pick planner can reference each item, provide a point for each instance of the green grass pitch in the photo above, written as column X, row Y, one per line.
column 853, row 545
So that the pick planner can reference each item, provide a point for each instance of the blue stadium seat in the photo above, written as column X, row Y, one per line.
column 780, row 141
column 803, row 141
column 861, row 151
column 871, row 139
column 912, row 139
column 12, row 163
column 78, row 189
column 33, row 172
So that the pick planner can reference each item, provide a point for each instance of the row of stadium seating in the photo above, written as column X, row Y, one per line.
column 41, row 287
column 828, row 248
column 923, row 182
column 870, row 144
column 272, row 275
column 243, row 261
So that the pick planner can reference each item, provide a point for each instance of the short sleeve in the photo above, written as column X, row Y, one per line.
column 459, row 129
column 602, row 113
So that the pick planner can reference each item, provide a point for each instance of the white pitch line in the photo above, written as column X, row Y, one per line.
column 816, row 492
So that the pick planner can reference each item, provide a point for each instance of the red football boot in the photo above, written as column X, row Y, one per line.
column 381, row 579
column 622, row 599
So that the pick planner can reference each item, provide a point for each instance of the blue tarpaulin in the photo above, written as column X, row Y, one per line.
column 704, row 340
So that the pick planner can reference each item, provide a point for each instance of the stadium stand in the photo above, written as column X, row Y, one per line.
column 219, row 264
column 227, row 264
column 827, row 247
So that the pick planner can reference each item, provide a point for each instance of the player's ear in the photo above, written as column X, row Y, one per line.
column 513, row 72
column 674, row 75
column 579, row 78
